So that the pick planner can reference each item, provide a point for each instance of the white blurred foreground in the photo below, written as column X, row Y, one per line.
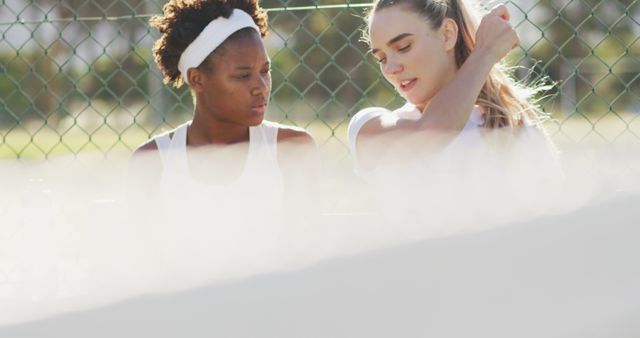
column 500, row 246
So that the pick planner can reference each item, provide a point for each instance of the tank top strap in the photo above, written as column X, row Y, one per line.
column 270, row 130
column 265, row 138
column 172, row 148
column 179, row 139
column 163, row 142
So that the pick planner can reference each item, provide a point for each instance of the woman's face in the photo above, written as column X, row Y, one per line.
column 413, row 57
column 237, row 81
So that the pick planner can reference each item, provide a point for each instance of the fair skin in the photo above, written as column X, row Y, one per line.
column 420, row 63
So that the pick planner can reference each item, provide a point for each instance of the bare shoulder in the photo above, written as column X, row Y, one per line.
column 145, row 157
column 151, row 145
column 296, row 148
column 145, row 167
column 297, row 153
column 146, row 147
column 365, row 144
column 370, row 124
column 370, row 136
column 370, row 121
column 145, row 161
column 373, row 126
column 294, row 135
column 365, row 117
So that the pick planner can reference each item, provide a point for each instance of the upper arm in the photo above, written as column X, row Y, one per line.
column 368, row 145
column 144, row 169
column 150, row 145
column 299, row 161
column 370, row 136
column 295, row 146
column 295, row 135
column 357, row 123
column 148, row 151
column 386, row 139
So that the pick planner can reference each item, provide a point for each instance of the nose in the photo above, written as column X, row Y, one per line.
column 392, row 67
column 262, row 86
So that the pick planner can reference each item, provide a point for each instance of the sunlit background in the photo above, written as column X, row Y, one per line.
column 78, row 76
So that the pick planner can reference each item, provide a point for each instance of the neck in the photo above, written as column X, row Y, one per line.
column 207, row 130
column 422, row 106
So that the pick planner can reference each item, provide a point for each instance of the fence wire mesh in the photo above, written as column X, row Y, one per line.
column 78, row 75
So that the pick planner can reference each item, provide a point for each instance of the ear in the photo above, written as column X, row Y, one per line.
column 449, row 31
column 196, row 79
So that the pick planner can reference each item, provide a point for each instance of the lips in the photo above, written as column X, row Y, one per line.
column 259, row 108
column 407, row 85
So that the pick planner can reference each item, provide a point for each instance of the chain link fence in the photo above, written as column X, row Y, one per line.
column 78, row 76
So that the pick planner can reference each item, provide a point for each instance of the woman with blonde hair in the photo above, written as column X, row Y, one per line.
column 445, row 65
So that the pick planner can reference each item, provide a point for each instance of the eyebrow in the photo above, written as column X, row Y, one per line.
column 268, row 63
column 392, row 41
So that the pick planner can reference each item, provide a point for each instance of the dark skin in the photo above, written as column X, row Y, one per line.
column 231, row 90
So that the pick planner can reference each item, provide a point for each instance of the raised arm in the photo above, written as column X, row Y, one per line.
column 448, row 111
column 450, row 108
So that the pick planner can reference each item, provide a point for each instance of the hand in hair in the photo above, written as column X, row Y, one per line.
column 495, row 35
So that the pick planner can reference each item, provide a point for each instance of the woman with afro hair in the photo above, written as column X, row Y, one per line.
column 227, row 156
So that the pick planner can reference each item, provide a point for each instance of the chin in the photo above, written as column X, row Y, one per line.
column 255, row 122
column 418, row 102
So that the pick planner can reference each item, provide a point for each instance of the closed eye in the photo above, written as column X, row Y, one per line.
column 378, row 59
column 405, row 48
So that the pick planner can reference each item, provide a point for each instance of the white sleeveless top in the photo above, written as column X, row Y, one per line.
column 263, row 144
column 469, row 167
column 215, row 225
column 260, row 182
column 469, row 139
column 409, row 112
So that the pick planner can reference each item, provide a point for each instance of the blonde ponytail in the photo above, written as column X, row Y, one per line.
column 505, row 102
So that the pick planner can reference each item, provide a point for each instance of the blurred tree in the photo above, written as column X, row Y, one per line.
column 590, row 47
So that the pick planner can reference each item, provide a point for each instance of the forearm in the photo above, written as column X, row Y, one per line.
column 450, row 108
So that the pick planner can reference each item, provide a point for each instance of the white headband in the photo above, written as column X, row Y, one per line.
column 211, row 37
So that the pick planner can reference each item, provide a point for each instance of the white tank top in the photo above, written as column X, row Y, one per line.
column 263, row 144
column 468, row 166
column 469, row 139
column 210, row 224
column 409, row 112
column 260, row 182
